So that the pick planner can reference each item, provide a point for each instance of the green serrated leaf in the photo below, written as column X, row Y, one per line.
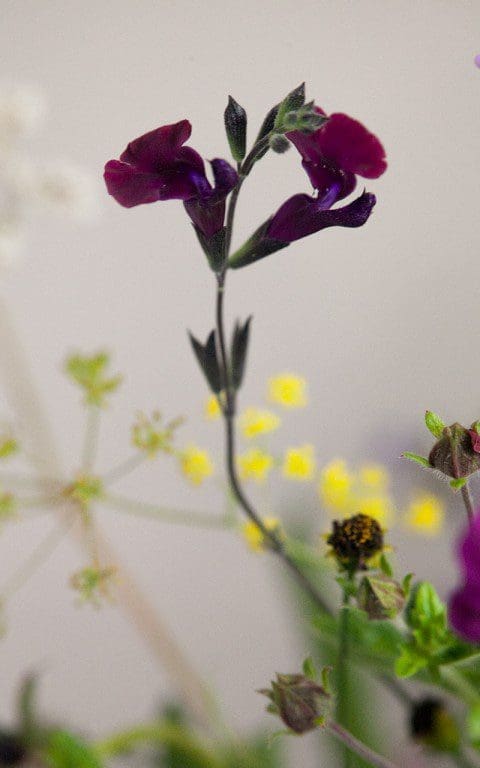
column 415, row 457
column 434, row 423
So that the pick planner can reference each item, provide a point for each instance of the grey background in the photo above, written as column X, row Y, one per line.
column 382, row 321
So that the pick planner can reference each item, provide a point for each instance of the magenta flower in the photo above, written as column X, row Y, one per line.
column 157, row 166
column 464, row 604
column 337, row 152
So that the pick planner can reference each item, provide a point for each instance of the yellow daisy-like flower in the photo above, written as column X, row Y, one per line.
column 212, row 408
column 253, row 535
column 299, row 463
column 425, row 514
column 373, row 476
column 379, row 507
column 195, row 464
column 254, row 421
column 255, row 464
column 288, row 390
column 335, row 485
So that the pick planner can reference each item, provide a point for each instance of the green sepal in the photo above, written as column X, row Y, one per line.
column 434, row 424
column 407, row 583
column 257, row 247
column 290, row 103
column 409, row 662
column 239, row 351
column 207, row 359
column 266, row 128
column 213, row 247
column 309, row 669
column 235, row 119
column 385, row 565
column 418, row 459
column 458, row 482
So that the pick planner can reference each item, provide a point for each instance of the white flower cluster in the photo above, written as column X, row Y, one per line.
column 27, row 187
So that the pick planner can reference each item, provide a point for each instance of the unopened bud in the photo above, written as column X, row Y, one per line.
column 380, row 597
column 279, row 143
column 355, row 540
column 454, row 453
column 299, row 701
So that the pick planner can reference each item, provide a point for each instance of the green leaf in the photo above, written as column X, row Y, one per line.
column 292, row 102
column 385, row 565
column 89, row 372
column 235, row 119
column 309, row 668
column 409, row 662
column 213, row 247
column 64, row 750
column 418, row 459
column 458, row 482
column 239, row 351
column 434, row 424
column 473, row 725
column 207, row 359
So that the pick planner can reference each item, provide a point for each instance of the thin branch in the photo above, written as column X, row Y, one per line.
column 165, row 514
column 358, row 747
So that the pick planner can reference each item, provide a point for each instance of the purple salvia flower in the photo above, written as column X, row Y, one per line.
column 157, row 166
column 464, row 604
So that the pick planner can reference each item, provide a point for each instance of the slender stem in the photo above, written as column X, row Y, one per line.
column 342, row 671
column 36, row 559
column 468, row 501
column 90, row 444
column 178, row 516
column 123, row 469
column 462, row 687
column 358, row 747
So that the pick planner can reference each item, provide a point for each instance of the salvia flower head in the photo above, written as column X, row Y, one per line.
column 299, row 701
column 355, row 540
column 464, row 604
column 157, row 166
column 433, row 725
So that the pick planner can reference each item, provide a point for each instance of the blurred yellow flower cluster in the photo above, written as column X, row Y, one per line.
column 345, row 492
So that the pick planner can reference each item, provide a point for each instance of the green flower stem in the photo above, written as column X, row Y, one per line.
column 468, row 501
column 458, row 683
column 36, row 559
column 357, row 747
column 90, row 444
column 159, row 734
column 342, row 670
column 124, row 468
column 165, row 514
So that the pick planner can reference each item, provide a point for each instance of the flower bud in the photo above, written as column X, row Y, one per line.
column 279, row 143
column 355, row 540
column 454, row 454
column 380, row 597
column 299, row 701
column 433, row 725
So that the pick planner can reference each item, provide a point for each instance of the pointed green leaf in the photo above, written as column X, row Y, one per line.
column 239, row 351
column 434, row 424
column 418, row 459
column 293, row 101
column 207, row 359
column 309, row 668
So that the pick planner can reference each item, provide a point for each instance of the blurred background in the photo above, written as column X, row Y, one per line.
column 381, row 321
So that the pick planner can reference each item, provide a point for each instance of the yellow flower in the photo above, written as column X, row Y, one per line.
column 425, row 514
column 195, row 464
column 212, row 408
column 379, row 507
column 255, row 464
column 255, row 422
column 253, row 535
column 288, row 390
column 335, row 485
column 373, row 476
column 299, row 463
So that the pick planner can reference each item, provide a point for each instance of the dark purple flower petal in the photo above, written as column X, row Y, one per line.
column 225, row 177
column 303, row 215
column 475, row 440
column 464, row 613
column 130, row 187
column 349, row 144
column 469, row 552
column 207, row 208
column 159, row 147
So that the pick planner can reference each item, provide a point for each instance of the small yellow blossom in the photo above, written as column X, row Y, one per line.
column 379, row 507
column 255, row 422
column 212, row 408
column 288, row 390
column 253, row 535
column 335, row 485
column 425, row 514
column 299, row 463
column 255, row 464
column 195, row 464
column 373, row 476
